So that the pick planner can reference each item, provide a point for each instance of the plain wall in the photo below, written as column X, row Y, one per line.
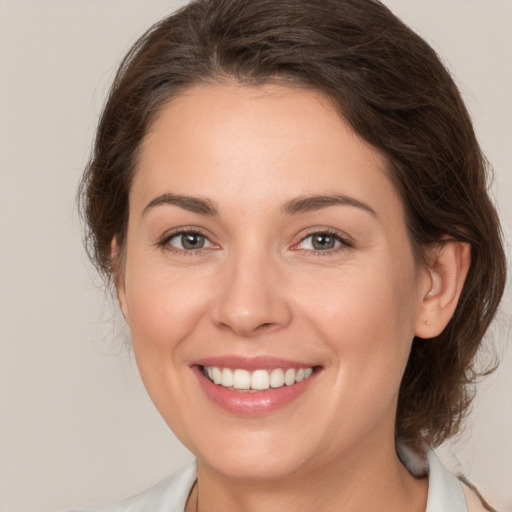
column 76, row 427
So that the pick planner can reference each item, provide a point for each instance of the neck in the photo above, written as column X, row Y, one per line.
column 365, row 480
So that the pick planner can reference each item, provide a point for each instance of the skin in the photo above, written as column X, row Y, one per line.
column 258, row 289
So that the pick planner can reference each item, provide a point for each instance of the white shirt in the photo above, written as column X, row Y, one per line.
column 445, row 492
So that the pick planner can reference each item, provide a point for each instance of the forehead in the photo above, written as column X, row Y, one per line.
column 257, row 142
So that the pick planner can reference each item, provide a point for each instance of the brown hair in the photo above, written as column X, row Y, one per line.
column 393, row 90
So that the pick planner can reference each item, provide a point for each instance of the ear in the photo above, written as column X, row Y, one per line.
column 116, row 258
column 449, row 263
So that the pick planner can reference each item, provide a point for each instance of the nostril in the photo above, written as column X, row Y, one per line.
column 267, row 326
column 249, row 331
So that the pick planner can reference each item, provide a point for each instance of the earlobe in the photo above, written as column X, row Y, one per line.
column 115, row 258
column 444, row 280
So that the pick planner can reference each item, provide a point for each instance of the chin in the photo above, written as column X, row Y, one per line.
column 252, row 466
column 250, row 455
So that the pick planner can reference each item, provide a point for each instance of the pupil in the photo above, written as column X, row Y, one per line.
column 323, row 241
column 192, row 241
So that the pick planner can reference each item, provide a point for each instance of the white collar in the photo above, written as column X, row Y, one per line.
column 444, row 489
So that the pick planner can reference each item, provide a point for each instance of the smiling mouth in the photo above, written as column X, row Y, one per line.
column 257, row 380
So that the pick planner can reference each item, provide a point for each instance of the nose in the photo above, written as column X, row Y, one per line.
column 252, row 298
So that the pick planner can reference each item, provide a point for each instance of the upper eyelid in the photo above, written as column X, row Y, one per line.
column 345, row 242
column 164, row 242
column 341, row 235
column 187, row 232
column 183, row 230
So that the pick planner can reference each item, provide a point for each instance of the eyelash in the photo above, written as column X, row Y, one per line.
column 345, row 243
column 164, row 242
column 343, row 240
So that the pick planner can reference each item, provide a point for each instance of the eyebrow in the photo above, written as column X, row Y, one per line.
column 193, row 204
column 304, row 204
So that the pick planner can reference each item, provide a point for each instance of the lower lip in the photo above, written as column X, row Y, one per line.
column 251, row 403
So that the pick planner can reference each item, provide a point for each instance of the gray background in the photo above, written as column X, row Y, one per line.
column 75, row 424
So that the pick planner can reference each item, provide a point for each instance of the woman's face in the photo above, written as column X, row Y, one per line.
column 266, row 244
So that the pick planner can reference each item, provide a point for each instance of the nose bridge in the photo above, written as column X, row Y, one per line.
column 252, row 299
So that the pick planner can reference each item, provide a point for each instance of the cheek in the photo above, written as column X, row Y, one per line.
column 163, row 306
column 368, row 322
column 164, row 309
column 367, row 314
column 375, row 297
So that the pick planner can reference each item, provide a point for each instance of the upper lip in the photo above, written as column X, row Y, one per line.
column 251, row 363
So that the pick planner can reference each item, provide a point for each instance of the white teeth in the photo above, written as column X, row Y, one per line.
column 241, row 379
column 227, row 378
column 289, row 377
column 277, row 378
column 258, row 379
column 217, row 375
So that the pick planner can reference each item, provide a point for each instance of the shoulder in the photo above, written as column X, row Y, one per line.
column 170, row 495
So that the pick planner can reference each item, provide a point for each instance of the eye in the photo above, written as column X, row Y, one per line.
column 322, row 241
column 188, row 241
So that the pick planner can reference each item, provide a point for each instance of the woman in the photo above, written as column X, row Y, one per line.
column 290, row 201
